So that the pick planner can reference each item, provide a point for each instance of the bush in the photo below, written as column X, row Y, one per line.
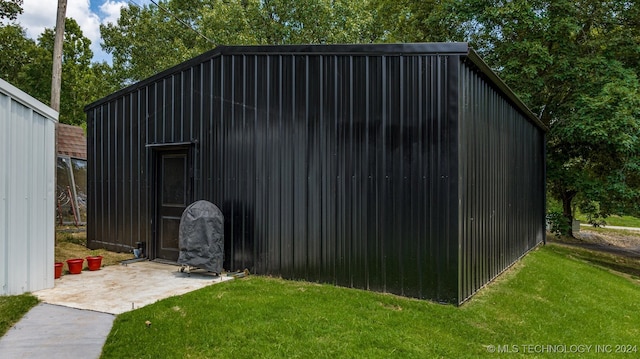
column 558, row 223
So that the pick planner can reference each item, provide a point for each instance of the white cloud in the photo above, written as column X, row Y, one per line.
column 41, row 14
column 89, row 22
column 111, row 11
column 37, row 16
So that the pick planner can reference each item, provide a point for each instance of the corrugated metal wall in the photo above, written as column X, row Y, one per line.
column 338, row 166
column 502, row 183
column 27, row 193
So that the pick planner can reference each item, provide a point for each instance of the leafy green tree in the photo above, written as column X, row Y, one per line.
column 10, row 9
column 415, row 21
column 149, row 39
column 76, row 72
column 27, row 65
column 316, row 22
column 17, row 50
column 575, row 63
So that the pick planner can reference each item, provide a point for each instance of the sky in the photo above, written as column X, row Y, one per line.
column 89, row 14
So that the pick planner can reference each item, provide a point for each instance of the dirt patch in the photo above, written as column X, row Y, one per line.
column 621, row 239
column 615, row 250
column 67, row 250
column 71, row 243
column 616, row 242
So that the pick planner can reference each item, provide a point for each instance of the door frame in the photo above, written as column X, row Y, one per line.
column 157, row 150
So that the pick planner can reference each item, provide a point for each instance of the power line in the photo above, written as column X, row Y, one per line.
column 176, row 18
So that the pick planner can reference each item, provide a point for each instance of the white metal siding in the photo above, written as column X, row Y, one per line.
column 27, row 192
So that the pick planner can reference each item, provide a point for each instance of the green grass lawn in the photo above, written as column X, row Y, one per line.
column 622, row 221
column 552, row 299
column 12, row 308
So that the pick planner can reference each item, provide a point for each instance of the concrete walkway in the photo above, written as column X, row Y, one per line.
column 76, row 316
column 612, row 227
column 49, row 331
column 120, row 288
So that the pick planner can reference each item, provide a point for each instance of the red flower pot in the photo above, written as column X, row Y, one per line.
column 75, row 265
column 94, row 262
column 58, row 270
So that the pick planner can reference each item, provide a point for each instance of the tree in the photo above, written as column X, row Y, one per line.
column 77, row 73
column 316, row 22
column 17, row 51
column 28, row 66
column 10, row 9
column 149, row 39
column 575, row 63
column 56, row 77
column 415, row 21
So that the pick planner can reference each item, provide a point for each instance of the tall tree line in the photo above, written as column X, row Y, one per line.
column 574, row 63
column 27, row 64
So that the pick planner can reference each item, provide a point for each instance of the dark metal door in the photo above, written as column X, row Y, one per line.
column 173, row 192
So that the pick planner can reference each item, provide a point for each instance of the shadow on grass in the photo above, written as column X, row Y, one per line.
column 608, row 257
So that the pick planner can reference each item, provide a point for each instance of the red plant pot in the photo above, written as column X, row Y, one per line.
column 58, row 270
column 94, row 262
column 75, row 265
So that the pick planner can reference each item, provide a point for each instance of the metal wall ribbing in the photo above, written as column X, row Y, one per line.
column 27, row 192
column 330, row 163
column 502, row 182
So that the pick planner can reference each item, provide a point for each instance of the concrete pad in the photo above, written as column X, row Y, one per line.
column 120, row 288
column 50, row 331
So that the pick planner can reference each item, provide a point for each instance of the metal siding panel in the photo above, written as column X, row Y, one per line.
column 285, row 166
column 49, row 204
column 91, row 191
column 27, row 175
column 108, row 156
column 101, row 176
column 331, row 167
column 95, row 165
column 197, row 128
column 502, row 194
column 299, row 176
column 343, row 215
column 359, row 170
column 327, row 149
column 18, row 262
column 116, row 132
column 274, row 200
column 260, row 119
column 134, row 169
column 5, row 103
column 144, row 161
column 35, row 156
column 392, row 184
column 411, row 179
column 375, row 88
column 42, row 205
column 124, row 198
column 315, row 219
column 250, row 133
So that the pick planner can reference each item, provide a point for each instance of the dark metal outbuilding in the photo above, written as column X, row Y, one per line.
column 410, row 168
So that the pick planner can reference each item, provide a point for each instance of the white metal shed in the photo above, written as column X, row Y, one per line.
column 27, row 192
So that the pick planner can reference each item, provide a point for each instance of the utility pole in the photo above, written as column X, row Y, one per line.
column 56, row 74
column 56, row 77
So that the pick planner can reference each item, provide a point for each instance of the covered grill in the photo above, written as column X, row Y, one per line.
column 201, row 237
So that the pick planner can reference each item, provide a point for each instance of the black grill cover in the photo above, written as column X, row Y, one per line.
column 202, row 236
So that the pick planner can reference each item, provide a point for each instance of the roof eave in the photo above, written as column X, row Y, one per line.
column 505, row 89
